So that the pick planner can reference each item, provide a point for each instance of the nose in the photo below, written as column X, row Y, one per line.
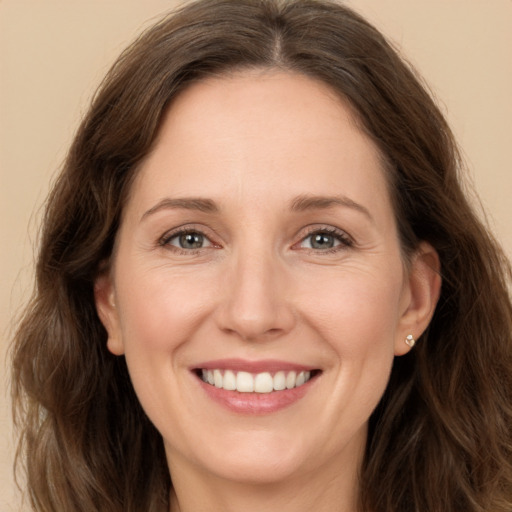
column 255, row 301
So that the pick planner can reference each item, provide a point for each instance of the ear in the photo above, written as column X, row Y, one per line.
column 104, row 298
column 421, row 293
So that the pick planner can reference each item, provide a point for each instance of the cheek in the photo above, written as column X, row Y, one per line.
column 160, row 307
column 160, row 311
column 357, row 310
column 358, row 321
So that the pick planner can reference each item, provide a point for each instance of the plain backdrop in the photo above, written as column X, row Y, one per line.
column 53, row 53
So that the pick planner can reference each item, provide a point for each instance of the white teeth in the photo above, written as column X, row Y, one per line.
column 217, row 378
column 245, row 382
column 229, row 380
column 291, row 378
column 279, row 381
column 263, row 383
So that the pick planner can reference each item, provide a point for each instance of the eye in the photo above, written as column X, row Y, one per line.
column 187, row 240
column 325, row 240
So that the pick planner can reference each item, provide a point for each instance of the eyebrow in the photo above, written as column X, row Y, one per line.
column 309, row 202
column 299, row 204
column 184, row 203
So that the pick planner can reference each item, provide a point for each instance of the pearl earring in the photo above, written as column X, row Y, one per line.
column 410, row 340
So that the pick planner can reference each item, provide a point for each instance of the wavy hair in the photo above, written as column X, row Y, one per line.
column 441, row 437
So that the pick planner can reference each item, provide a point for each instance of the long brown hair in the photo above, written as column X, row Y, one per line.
column 441, row 437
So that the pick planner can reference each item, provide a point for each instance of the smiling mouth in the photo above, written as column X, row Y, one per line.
column 264, row 382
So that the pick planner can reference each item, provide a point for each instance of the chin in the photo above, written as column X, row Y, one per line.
column 259, row 471
column 254, row 458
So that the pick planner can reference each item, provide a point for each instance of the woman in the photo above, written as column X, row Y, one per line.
column 261, row 287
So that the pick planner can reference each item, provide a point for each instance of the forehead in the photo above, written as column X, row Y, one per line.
column 277, row 133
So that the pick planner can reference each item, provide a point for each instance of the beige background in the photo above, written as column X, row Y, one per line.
column 54, row 52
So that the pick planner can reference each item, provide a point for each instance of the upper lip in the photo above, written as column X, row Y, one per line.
column 243, row 365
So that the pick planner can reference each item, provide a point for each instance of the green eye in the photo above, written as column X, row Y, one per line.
column 323, row 240
column 188, row 241
column 191, row 241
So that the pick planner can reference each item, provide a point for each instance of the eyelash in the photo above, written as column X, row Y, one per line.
column 345, row 241
column 165, row 240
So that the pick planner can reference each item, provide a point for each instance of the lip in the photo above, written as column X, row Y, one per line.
column 243, row 365
column 254, row 403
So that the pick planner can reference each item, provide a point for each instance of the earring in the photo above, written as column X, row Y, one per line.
column 410, row 340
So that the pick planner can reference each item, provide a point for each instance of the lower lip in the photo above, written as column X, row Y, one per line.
column 256, row 403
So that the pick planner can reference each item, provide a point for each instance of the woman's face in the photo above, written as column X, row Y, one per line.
column 259, row 249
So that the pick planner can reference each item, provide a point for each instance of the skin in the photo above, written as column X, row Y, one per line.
column 256, row 144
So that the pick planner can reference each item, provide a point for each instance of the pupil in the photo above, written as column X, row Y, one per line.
column 191, row 241
column 322, row 241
